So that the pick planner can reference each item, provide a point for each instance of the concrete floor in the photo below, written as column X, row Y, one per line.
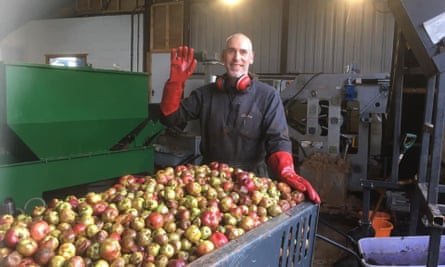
column 327, row 254
column 343, row 228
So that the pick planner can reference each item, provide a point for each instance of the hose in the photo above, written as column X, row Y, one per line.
column 332, row 242
column 336, row 244
column 25, row 207
column 352, row 240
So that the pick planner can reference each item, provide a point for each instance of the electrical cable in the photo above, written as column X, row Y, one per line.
column 332, row 242
column 323, row 221
column 286, row 103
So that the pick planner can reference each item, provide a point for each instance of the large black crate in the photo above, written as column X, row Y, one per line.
column 286, row 240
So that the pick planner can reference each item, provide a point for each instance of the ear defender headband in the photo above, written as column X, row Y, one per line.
column 242, row 83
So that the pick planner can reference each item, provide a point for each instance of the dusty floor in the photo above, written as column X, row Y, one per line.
column 343, row 228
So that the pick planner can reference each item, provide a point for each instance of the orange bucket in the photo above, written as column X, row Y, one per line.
column 378, row 215
column 382, row 228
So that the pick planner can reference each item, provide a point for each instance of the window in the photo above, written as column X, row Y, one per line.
column 67, row 60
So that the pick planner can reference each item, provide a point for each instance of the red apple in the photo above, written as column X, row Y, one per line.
column 73, row 200
column 179, row 169
column 110, row 214
column 237, row 212
column 117, row 236
column 67, row 236
column 140, row 180
column 227, row 185
column 297, row 196
column 99, row 207
column 110, row 249
column 39, row 229
column 205, row 247
column 187, row 177
column 176, row 263
column 247, row 185
column 155, row 220
column 50, row 241
column 183, row 214
column 15, row 234
column 226, row 204
column 161, row 177
column 53, row 203
column 82, row 244
column 127, row 179
column 214, row 165
column 28, row 262
column 79, row 229
column 76, row 261
column 211, row 219
column 218, row 239
column 43, row 255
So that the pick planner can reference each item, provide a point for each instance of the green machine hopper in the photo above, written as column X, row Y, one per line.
column 61, row 127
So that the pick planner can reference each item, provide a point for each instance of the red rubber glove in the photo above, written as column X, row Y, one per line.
column 182, row 66
column 282, row 164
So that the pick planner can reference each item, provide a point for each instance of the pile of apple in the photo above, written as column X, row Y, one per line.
column 168, row 219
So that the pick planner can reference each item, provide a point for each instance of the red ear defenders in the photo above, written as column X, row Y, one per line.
column 242, row 83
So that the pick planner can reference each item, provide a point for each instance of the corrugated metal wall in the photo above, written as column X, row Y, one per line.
column 327, row 35
column 323, row 35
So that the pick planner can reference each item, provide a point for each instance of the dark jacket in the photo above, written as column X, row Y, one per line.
column 240, row 128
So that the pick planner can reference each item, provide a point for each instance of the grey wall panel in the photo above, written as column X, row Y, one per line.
column 323, row 35
column 327, row 35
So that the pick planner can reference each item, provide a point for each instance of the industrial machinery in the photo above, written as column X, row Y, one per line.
column 339, row 115
column 420, row 36
column 62, row 127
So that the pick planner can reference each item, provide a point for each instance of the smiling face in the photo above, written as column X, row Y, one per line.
column 237, row 56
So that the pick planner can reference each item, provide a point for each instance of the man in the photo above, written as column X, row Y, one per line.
column 242, row 119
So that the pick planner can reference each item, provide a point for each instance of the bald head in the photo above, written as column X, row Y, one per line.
column 241, row 37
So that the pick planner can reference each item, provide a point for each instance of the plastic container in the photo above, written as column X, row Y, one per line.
column 402, row 251
column 285, row 240
column 382, row 227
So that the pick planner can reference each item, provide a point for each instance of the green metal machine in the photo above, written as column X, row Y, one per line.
column 61, row 127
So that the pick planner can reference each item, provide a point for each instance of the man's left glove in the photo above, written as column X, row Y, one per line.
column 282, row 164
column 182, row 65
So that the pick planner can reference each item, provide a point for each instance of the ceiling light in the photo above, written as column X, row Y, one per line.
column 231, row 2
